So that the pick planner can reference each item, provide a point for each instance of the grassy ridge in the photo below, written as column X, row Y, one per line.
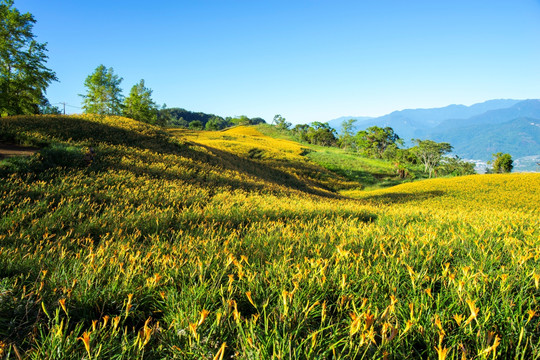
column 371, row 173
column 183, row 246
column 279, row 155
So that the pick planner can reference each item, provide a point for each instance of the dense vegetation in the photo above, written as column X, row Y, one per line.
column 121, row 239
column 24, row 77
column 198, row 120
column 231, row 244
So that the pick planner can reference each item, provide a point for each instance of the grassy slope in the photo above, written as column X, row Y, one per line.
column 272, row 154
column 370, row 173
column 193, row 247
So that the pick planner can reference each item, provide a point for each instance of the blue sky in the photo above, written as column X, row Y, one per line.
column 308, row 60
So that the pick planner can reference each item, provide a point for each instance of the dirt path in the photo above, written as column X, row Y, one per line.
column 8, row 150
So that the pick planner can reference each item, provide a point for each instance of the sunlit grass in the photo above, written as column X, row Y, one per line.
column 188, row 247
column 370, row 173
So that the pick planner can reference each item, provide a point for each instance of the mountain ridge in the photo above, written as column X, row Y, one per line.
column 453, row 111
column 492, row 127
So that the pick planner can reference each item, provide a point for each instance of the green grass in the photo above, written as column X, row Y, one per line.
column 370, row 173
column 162, row 248
column 272, row 131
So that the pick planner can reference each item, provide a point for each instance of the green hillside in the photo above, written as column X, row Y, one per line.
column 368, row 172
column 121, row 240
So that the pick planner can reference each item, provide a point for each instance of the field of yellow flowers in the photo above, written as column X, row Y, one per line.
column 192, row 245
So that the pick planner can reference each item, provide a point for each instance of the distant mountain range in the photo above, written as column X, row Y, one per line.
column 476, row 131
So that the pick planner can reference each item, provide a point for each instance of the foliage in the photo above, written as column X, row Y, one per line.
column 281, row 123
column 257, row 121
column 45, row 108
column 239, row 121
column 455, row 166
column 346, row 138
column 316, row 133
column 216, row 123
column 375, row 140
column 103, row 93
column 430, row 153
column 196, row 125
column 300, row 131
column 321, row 134
column 185, row 115
column 183, row 118
column 180, row 122
column 243, row 120
column 502, row 163
column 139, row 104
column 24, row 77
column 217, row 255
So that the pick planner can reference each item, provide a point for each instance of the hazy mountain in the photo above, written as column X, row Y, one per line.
column 525, row 108
column 433, row 117
column 475, row 132
column 412, row 123
column 519, row 137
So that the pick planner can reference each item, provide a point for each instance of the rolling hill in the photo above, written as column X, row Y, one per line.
column 233, row 245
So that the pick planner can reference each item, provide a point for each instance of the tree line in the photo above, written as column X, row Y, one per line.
column 104, row 97
column 383, row 143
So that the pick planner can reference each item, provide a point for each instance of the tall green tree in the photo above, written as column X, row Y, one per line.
column 215, row 123
column 281, row 123
column 455, row 166
column 103, row 93
column 24, row 77
column 139, row 104
column 240, row 120
column 430, row 153
column 346, row 138
column 321, row 134
column 502, row 163
column 196, row 125
column 301, row 131
column 375, row 140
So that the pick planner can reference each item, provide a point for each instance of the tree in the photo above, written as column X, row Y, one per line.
column 281, row 123
column 430, row 153
column 46, row 108
column 256, row 121
column 346, row 139
column 347, row 127
column 375, row 140
column 455, row 166
column 216, row 123
column 23, row 75
column 241, row 120
column 301, row 132
column 140, row 106
column 502, row 163
column 196, row 125
column 103, row 96
column 321, row 134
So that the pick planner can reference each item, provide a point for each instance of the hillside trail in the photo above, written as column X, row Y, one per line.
column 9, row 150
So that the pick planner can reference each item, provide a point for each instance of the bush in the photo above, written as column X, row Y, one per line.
column 196, row 125
column 502, row 163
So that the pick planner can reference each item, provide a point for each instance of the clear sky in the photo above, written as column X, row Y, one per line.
column 308, row 60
